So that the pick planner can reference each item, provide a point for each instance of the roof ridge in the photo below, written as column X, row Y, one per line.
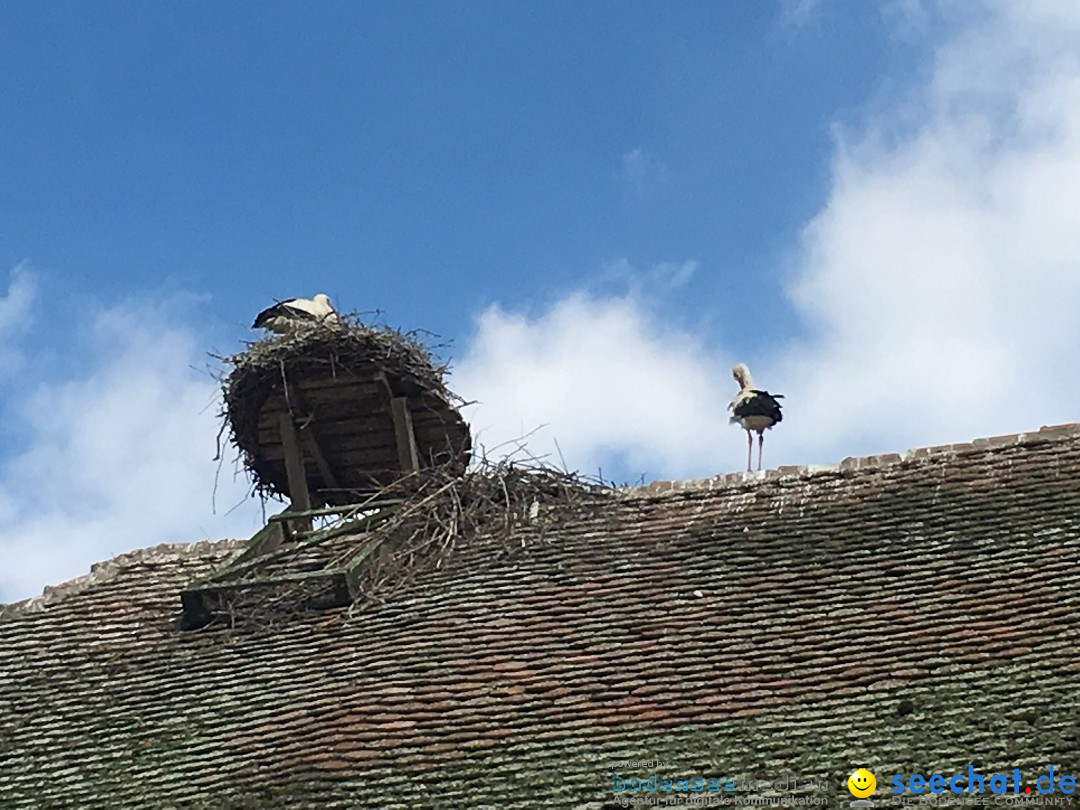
column 1046, row 433
column 105, row 570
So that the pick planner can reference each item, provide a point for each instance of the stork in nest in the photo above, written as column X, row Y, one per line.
column 284, row 316
column 754, row 410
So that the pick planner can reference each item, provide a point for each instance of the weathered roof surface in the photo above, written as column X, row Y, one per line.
column 913, row 613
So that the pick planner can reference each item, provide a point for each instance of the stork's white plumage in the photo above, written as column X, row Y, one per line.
column 754, row 410
column 284, row 316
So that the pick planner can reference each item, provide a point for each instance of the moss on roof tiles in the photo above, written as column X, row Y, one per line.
column 909, row 616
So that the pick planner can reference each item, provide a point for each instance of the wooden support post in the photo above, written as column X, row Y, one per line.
column 267, row 539
column 312, row 445
column 310, row 441
column 294, row 470
column 408, row 457
column 360, row 506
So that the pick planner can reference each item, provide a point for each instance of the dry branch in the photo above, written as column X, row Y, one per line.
column 504, row 506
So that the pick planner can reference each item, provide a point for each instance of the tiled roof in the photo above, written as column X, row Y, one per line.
column 912, row 614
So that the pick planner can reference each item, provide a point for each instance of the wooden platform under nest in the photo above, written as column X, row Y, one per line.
column 331, row 414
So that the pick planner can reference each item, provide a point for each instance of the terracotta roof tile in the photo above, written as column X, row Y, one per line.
column 910, row 613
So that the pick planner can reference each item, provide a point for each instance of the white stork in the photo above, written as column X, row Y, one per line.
column 753, row 410
column 284, row 316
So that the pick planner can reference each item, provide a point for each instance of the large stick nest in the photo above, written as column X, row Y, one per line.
column 318, row 351
column 497, row 509
column 429, row 521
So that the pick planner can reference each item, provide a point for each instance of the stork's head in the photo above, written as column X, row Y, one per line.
column 329, row 314
column 742, row 375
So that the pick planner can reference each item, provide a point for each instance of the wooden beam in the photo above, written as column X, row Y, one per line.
column 201, row 605
column 354, row 526
column 294, row 468
column 232, row 573
column 338, row 510
column 327, row 474
column 352, row 567
column 265, row 541
column 408, row 456
column 310, row 440
column 277, row 579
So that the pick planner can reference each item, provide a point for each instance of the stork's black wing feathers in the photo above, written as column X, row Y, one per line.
column 282, row 310
column 762, row 403
column 268, row 314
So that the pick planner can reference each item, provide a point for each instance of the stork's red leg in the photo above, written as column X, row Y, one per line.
column 749, row 450
column 760, row 444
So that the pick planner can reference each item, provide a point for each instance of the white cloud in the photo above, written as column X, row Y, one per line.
column 15, row 305
column 943, row 276
column 609, row 381
column 15, row 316
column 939, row 286
column 118, row 459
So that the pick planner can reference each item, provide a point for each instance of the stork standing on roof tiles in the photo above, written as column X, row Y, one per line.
column 284, row 316
column 754, row 411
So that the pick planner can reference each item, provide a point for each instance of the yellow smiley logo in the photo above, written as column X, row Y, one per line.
column 861, row 783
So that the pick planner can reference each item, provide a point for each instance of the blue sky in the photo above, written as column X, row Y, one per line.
column 603, row 206
column 425, row 159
